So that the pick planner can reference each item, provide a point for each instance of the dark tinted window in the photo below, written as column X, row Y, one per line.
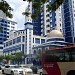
column 58, row 56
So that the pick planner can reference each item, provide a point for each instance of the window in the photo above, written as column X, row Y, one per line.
column 42, row 41
column 7, row 66
column 59, row 19
column 23, row 47
column 74, row 15
column 48, row 25
column 37, row 40
column 60, row 24
column 47, row 15
column 14, row 41
column 8, row 22
column 1, row 47
column 59, row 56
column 10, row 42
column 48, row 31
column 12, row 23
column 47, row 20
column 23, row 38
column 6, row 43
column 18, row 39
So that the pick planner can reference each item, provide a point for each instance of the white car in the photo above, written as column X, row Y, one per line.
column 12, row 70
column 39, row 70
column 27, row 70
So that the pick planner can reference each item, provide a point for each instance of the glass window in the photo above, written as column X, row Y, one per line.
column 58, row 56
column 14, row 41
column 6, row 43
column 42, row 41
column 33, row 40
column 10, row 42
column 18, row 39
column 12, row 23
column 1, row 47
column 23, row 47
column 23, row 38
column 37, row 40
column 7, row 66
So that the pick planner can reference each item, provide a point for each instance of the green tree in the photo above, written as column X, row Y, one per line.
column 5, row 7
column 1, row 58
column 18, row 56
column 12, row 58
column 7, row 57
column 37, row 6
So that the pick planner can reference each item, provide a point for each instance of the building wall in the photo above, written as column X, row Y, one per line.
column 6, row 26
column 68, row 20
column 58, row 21
column 50, row 20
column 22, row 40
column 15, row 43
column 37, row 40
column 36, row 23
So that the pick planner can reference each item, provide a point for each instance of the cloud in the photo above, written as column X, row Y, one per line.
column 19, row 6
column 12, row 6
column 18, row 12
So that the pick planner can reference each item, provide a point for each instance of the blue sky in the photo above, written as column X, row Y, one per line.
column 19, row 6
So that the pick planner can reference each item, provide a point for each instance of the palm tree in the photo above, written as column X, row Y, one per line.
column 5, row 7
column 1, row 58
column 37, row 7
column 18, row 56
column 7, row 58
column 12, row 58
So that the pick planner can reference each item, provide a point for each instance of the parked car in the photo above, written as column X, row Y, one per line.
column 27, row 69
column 2, row 66
column 39, row 70
column 34, row 69
column 12, row 70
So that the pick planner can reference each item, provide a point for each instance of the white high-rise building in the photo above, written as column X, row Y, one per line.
column 63, row 19
column 50, row 20
column 47, row 21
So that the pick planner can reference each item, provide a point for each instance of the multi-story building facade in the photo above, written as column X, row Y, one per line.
column 54, row 39
column 47, row 21
column 63, row 19
column 5, row 27
column 36, row 23
column 50, row 20
column 68, row 13
column 19, row 40
column 22, row 40
column 26, row 41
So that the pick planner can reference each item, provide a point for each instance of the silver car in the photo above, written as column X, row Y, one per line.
column 12, row 70
column 27, row 70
